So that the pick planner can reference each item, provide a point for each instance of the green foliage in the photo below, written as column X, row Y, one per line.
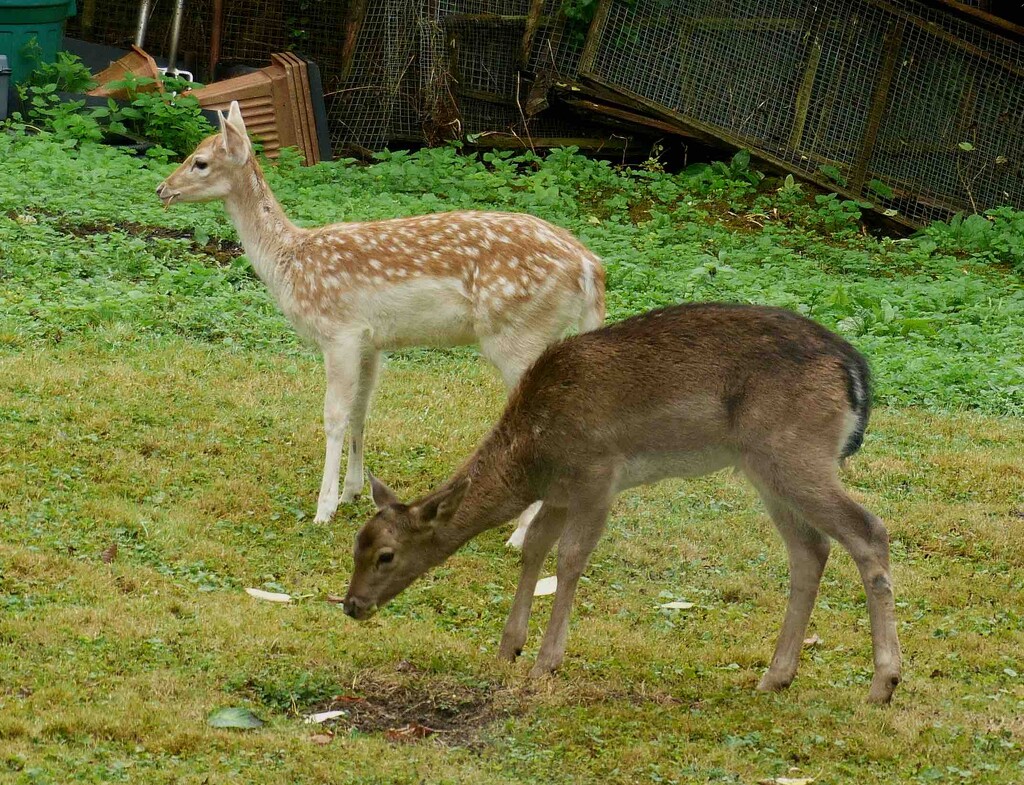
column 996, row 236
column 938, row 314
column 67, row 74
column 172, row 121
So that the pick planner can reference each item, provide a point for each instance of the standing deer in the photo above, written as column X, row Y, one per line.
column 510, row 282
column 672, row 393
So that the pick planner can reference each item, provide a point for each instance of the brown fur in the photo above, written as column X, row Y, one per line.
column 676, row 392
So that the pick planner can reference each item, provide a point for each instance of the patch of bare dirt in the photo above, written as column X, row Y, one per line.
column 450, row 714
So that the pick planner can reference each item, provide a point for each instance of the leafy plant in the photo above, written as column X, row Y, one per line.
column 174, row 122
column 997, row 236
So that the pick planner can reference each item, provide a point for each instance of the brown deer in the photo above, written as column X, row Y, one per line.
column 681, row 391
column 510, row 282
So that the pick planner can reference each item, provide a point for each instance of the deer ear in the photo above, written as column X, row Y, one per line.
column 441, row 505
column 381, row 494
column 236, row 140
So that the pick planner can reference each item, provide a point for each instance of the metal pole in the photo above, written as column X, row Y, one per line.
column 140, row 33
column 215, row 36
column 179, row 12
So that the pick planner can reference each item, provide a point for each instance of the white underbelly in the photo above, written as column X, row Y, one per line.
column 422, row 312
column 652, row 467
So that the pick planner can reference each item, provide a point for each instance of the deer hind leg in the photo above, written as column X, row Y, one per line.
column 368, row 370
column 808, row 552
column 542, row 535
column 582, row 531
column 341, row 363
column 823, row 503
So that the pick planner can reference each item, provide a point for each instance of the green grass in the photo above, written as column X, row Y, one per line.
column 152, row 398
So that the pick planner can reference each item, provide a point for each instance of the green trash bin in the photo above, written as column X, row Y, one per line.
column 21, row 21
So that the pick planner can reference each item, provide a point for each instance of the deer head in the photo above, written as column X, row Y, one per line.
column 399, row 544
column 212, row 171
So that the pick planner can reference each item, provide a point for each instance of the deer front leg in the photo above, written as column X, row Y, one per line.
column 582, row 532
column 341, row 363
column 368, row 370
column 547, row 528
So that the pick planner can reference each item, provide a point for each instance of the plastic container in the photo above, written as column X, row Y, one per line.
column 5, row 86
column 21, row 21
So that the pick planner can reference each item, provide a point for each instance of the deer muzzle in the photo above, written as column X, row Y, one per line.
column 359, row 609
column 166, row 195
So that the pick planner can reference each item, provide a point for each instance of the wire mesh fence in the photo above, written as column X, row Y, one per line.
column 893, row 100
column 900, row 102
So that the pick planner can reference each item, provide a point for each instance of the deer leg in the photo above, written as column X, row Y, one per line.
column 823, row 503
column 808, row 552
column 583, row 530
column 864, row 535
column 341, row 363
column 368, row 370
column 541, row 536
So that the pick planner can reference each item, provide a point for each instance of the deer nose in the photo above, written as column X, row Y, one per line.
column 160, row 189
column 352, row 607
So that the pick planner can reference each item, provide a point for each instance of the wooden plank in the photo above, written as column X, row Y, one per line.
column 532, row 23
column 594, row 33
column 504, row 141
column 353, row 26
column 626, row 116
column 892, row 46
column 982, row 17
column 949, row 38
column 803, row 95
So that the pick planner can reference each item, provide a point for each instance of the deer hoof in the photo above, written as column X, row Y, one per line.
column 324, row 512
column 773, row 683
column 882, row 688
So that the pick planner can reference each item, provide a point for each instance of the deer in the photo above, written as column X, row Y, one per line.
column 510, row 282
column 677, row 392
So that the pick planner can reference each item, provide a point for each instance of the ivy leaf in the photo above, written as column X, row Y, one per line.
column 879, row 188
column 234, row 717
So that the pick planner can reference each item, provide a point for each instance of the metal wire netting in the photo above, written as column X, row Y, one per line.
column 895, row 101
column 420, row 70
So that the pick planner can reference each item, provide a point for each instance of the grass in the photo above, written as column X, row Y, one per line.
column 152, row 398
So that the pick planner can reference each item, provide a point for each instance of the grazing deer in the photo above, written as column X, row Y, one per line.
column 510, row 282
column 681, row 391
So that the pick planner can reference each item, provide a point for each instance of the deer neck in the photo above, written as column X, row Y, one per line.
column 499, row 490
column 265, row 231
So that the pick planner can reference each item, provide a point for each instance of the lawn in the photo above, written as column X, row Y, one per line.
column 152, row 398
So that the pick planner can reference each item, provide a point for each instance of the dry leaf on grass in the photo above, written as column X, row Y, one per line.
column 546, row 586
column 409, row 732
column 323, row 716
column 814, row 640
column 109, row 553
column 792, row 780
column 321, row 738
column 677, row 605
column 269, row 596
column 335, row 599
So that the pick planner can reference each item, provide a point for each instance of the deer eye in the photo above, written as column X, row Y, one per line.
column 385, row 557
column 200, row 165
